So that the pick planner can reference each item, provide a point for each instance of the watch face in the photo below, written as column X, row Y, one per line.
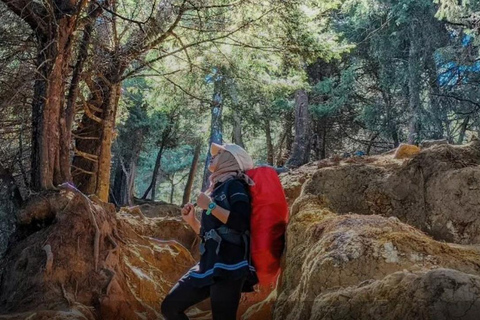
column 212, row 205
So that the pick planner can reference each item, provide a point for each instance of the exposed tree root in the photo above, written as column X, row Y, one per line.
column 96, row 241
column 112, row 275
column 64, row 292
column 49, row 264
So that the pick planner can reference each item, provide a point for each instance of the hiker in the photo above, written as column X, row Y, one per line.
column 225, row 269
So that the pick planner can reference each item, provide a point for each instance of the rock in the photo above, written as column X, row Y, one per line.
column 437, row 191
column 156, row 209
column 293, row 181
column 331, row 254
column 406, row 151
column 263, row 309
column 163, row 228
column 440, row 294
column 430, row 143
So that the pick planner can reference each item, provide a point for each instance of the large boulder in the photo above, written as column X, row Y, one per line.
column 330, row 254
column 437, row 191
column 440, row 294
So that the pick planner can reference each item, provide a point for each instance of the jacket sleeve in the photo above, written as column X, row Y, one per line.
column 240, row 207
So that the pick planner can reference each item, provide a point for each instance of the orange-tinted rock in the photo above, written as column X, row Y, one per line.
column 406, row 151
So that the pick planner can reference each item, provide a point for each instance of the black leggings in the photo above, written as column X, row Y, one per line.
column 224, row 296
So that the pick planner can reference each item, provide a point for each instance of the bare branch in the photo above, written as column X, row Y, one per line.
column 186, row 52
column 139, row 23
column 186, row 92
column 476, row 104
column 30, row 11
column 228, row 5
column 88, row 156
column 89, row 112
column 169, row 32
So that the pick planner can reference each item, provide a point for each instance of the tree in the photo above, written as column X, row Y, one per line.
column 191, row 174
column 168, row 139
column 130, row 141
column 53, row 24
column 118, row 42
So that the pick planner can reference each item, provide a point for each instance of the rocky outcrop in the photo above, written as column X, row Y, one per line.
column 440, row 294
column 405, row 151
column 73, row 258
column 336, row 264
column 438, row 191
column 294, row 180
column 154, row 209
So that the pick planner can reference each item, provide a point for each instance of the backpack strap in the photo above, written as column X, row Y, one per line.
column 227, row 234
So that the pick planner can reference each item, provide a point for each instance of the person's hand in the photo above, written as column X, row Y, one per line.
column 188, row 213
column 203, row 201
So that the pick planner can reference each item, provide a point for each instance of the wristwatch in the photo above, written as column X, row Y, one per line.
column 211, row 206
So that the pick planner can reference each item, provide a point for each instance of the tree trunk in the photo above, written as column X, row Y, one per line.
column 69, row 112
column 370, row 144
column 463, row 130
column 396, row 140
column 54, row 30
column 437, row 108
column 216, row 126
column 92, row 161
column 172, row 187
column 322, row 139
column 323, row 150
column 191, row 175
column 47, row 108
column 414, row 85
column 105, row 156
column 319, row 144
column 288, row 127
column 279, row 148
column 165, row 138
column 237, row 129
column 301, row 145
column 119, row 192
column 287, row 139
column 268, row 133
column 125, row 169
column 153, row 184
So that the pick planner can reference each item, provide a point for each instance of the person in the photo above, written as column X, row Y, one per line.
column 225, row 269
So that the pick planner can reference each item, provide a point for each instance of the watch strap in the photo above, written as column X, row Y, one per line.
column 211, row 206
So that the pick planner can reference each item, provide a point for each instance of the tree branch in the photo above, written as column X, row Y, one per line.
column 476, row 104
column 228, row 5
column 30, row 12
column 229, row 33
column 186, row 92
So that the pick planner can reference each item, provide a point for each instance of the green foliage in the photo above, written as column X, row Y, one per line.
column 334, row 94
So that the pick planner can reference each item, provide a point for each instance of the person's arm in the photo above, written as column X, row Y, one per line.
column 188, row 214
column 220, row 213
column 196, row 225
column 237, row 218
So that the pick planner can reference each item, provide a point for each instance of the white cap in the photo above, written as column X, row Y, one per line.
column 244, row 160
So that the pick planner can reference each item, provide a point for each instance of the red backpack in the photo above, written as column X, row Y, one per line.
column 268, row 223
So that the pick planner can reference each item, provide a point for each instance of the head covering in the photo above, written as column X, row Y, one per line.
column 231, row 163
column 243, row 158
